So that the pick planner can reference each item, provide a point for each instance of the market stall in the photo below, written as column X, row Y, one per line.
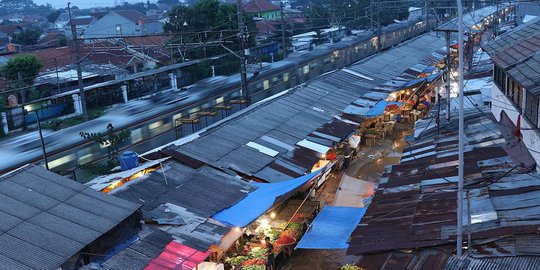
column 284, row 226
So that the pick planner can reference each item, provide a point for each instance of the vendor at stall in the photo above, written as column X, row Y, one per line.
column 269, row 254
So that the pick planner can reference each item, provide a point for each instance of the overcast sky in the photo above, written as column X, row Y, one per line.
column 85, row 3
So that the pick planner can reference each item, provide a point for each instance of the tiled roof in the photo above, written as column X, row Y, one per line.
column 516, row 45
column 45, row 219
column 260, row 6
column 527, row 73
column 86, row 20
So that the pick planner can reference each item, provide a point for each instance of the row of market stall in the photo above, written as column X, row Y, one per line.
column 195, row 190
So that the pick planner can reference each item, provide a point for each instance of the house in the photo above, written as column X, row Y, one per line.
column 123, row 23
column 61, row 21
column 516, row 81
column 81, row 23
column 526, row 10
column 262, row 9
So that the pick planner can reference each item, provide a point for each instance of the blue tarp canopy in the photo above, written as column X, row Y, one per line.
column 259, row 201
column 380, row 106
column 414, row 82
column 429, row 69
column 433, row 77
column 332, row 228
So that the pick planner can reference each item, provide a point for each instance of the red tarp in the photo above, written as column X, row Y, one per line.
column 178, row 257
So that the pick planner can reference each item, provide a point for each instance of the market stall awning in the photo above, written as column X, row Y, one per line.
column 379, row 108
column 332, row 228
column 177, row 256
column 259, row 201
column 434, row 77
column 414, row 82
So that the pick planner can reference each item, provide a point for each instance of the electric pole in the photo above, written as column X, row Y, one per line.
column 447, row 35
column 461, row 136
column 242, row 36
column 283, row 40
column 379, row 27
column 78, row 63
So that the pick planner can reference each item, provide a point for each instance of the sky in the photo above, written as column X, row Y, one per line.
column 86, row 3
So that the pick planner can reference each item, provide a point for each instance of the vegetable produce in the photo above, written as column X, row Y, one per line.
column 254, row 262
column 257, row 252
column 285, row 240
column 238, row 260
column 273, row 234
column 350, row 267
column 254, row 267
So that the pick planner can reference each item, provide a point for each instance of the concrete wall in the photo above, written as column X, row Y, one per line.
column 530, row 134
column 527, row 8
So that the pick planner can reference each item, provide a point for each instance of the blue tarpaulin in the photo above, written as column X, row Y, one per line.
column 380, row 106
column 259, row 201
column 414, row 82
column 429, row 69
column 433, row 77
column 332, row 228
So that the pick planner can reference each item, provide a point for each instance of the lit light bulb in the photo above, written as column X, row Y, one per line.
column 273, row 215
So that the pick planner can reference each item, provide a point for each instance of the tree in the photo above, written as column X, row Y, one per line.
column 21, row 72
column 53, row 16
column 29, row 36
column 112, row 140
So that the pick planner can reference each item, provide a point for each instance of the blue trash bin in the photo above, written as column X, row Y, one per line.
column 128, row 160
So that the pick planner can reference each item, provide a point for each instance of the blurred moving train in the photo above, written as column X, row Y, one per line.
column 169, row 115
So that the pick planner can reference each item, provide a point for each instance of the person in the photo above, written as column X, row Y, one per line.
column 269, row 254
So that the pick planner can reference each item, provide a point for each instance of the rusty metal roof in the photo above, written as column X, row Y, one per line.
column 415, row 204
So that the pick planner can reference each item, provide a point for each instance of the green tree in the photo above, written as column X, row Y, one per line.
column 29, row 36
column 112, row 140
column 53, row 16
column 21, row 72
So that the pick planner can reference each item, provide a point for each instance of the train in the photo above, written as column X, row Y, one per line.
column 168, row 115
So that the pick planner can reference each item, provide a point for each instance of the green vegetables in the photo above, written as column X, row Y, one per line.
column 257, row 252
column 350, row 267
column 238, row 260
column 254, row 267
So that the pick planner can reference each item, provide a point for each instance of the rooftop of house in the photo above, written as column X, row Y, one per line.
column 134, row 16
column 259, row 6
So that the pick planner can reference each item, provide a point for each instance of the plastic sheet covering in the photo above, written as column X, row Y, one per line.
column 177, row 256
column 259, row 201
column 332, row 228
column 354, row 140
column 379, row 108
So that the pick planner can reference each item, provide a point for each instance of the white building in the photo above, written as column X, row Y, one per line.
column 516, row 81
column 123, row 23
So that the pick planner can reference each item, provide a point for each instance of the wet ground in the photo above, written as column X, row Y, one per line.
column 369, row 165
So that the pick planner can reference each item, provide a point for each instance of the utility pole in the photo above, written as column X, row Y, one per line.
column 283, row 41
column 447, row 35
column 241, row 36
column 426, row 10
column 78, row 63
column 42, row 140
column 379, row 27
column 461, row 136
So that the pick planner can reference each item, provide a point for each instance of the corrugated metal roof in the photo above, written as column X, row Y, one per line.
column 470, row 19
column 185, row 198
column 45, row 219
column 308, row 114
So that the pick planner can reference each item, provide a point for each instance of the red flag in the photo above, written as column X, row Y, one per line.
column 517, row 132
